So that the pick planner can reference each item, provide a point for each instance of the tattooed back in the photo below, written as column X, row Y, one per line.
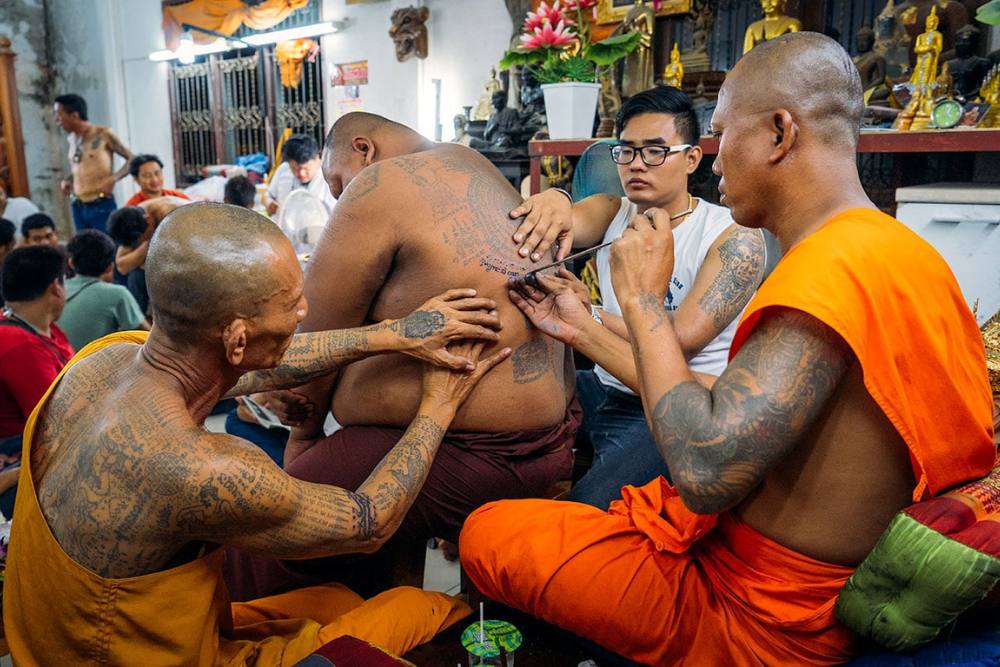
column 405, row 229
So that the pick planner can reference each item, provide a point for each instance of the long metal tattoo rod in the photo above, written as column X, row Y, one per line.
column 532, row 278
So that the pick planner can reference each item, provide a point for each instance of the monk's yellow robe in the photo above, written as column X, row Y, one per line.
column 57, row 612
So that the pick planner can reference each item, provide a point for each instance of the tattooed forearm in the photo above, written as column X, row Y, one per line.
column 719, row 443
column 653, row 305
column 742, row 256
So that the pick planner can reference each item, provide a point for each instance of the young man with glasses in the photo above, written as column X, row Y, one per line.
column 718, row 268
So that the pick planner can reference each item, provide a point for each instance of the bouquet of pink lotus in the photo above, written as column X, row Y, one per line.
column 556, row 45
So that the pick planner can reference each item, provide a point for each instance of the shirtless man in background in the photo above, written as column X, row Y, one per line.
column 414, row 218
column 92, row 149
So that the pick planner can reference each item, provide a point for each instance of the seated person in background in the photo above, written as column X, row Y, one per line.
column 8, row 238
column 147, row 170
column 857, row 385
column 717, row 269
column 240, row 191
column 95, row 306
column 131, row 228
column 302, row 168
column 15, row 209
column 32, row 348
column 416, row 218
column 39, row 229
column 122, row 480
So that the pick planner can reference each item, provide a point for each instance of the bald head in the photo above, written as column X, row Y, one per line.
column 359, row 123
column 211, row 263
column 810, row 75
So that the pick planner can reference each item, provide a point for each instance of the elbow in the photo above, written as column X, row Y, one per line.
column 707, row 494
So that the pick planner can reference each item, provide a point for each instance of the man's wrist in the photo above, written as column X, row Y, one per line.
column 564, row 193
column 439, row 409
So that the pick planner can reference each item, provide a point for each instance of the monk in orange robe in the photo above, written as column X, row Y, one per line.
column 125, row 498
column 857, row 384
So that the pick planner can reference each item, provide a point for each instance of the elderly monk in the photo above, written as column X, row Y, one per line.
column 856, row 384
column 412, row 218
column 115, row 556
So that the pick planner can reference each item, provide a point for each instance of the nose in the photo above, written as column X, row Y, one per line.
column 717, row 165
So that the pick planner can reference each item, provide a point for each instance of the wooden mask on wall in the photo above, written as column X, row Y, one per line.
column 409, row 32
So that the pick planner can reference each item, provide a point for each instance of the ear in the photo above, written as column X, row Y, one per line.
column 785, row 133
column 69, row 261
column 234, row 339
column 694, row 159
column 366, row 147
column 57, row 288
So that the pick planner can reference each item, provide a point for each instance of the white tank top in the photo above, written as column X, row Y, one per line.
column 692, row 239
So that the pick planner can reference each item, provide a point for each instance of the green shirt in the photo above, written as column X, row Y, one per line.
column 95, row 308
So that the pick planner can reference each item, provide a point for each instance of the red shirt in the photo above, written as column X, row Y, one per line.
column 29, row 362
column 141, row 196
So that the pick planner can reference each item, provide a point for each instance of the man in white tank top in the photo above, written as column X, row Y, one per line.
column 718, row 267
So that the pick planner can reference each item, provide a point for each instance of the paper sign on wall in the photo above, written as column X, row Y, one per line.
column 350, row 74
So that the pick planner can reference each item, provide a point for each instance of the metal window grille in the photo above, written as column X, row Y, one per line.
column 232, row 104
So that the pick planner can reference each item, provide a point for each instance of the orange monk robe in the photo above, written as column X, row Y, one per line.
column 56, row 612
column 658, row 584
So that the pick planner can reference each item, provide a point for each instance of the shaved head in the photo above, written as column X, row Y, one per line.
column 810, row 75
column 211, row 263
column 357, row 123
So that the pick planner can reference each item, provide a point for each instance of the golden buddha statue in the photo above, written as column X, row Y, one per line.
column 989, row 93
column 484, row 107
column 774, row 24
column 637, row 74
column 923, row 80
column 673, row 73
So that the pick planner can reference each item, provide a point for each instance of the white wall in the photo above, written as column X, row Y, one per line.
column 465, row 39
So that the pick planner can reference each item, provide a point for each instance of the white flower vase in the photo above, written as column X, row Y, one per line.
column 570, row 109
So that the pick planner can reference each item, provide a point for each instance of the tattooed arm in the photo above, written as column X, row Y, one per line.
column 719, row 444
column 732, row 271
column 424, row 334
column 243, row 499
column 116, row 146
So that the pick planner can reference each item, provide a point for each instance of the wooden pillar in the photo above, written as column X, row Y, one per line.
column 10, row 125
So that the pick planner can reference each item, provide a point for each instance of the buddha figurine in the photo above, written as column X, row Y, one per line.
column 989, row 93
column 892, row 42
column 484, row 107
column 923, row 80
column 967, row 68
column 951, row 16
column 673, row 73
column 774, row 24
column 637, row 74
column 870, row 65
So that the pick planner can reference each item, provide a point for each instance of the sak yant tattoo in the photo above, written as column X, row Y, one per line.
column 742, row 256
column 423, row 323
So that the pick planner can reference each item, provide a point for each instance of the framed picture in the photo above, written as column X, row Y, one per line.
column 973, row 114
column 614, row 11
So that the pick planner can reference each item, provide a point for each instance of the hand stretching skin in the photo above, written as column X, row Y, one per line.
column 423, row 334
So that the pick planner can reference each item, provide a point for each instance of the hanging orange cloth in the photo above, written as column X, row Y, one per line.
column 225, row 16
column 896, row 303
column 57, row 612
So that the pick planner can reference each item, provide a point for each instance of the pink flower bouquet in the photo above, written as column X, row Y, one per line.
column 557, row 47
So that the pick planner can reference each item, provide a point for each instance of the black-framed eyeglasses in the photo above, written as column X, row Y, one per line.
column 652, row 156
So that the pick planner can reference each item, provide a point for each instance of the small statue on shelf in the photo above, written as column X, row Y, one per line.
column 532, row 104
column 870, row 64
column 774, row 24
column 673, row 73
column 484, row 106
column 608, row 104
column 951, row 17
column 697, row 58
column 989, row 93
column 967, row 68
column 503, row 130
column 637, row 74
column 892, row 42
column 923, row 80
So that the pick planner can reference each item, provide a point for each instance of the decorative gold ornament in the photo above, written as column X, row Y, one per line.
column 673, row 73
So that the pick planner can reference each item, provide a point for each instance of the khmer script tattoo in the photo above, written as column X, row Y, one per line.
column 423, row 323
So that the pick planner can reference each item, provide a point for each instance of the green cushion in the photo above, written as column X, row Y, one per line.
column 914, row 583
